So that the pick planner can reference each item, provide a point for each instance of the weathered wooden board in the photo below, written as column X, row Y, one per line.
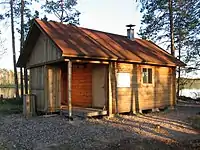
column 53, row 88
column 37, row 86
column 43, row 51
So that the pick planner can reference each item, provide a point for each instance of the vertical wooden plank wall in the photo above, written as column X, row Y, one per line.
column 45, row 79
column 53, row 88
column 37, row 86
column 44, row 51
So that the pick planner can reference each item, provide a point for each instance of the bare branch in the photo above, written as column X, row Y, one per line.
column 56, row 14
column 4, row 3
column 3, row 49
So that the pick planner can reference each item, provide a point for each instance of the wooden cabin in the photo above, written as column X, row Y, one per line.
column 82, row 68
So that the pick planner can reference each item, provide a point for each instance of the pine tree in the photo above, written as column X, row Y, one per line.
column 156, row 21
column 21, row 45
column 22, row 14
column 171, row 22
column 63, row 9
column 13, row 47
column 26, row 18
column 181, row 22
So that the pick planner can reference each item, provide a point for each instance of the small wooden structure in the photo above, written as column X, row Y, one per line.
column 29, row 103
column 90, row 70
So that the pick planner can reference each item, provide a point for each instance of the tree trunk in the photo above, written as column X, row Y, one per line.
column 179, row 69
column 61, row 18
column 179, row 52
column 21, row 45
column 172, row 45
column 13, row 47
column 21, row 48
column 178, row 80
column 171, row 27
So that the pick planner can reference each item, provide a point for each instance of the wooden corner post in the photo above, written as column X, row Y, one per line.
column 110, row 97
column 70, row 89
column 116, row 88
column 174, row 86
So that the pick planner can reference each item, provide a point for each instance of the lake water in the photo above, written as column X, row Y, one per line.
column 7, row 92
column 193, row 93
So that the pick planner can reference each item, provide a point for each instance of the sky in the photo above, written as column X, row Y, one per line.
column 104, row 15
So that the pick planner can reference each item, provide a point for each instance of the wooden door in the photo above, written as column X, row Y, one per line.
column 99, row 86
column 53, row 88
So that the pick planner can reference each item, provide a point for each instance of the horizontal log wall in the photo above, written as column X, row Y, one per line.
column 158, row 94
column 125, row 95
column 140, row 96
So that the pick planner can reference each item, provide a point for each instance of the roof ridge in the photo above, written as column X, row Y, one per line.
column 102, row 31
column 124, row 36
column 84, row 28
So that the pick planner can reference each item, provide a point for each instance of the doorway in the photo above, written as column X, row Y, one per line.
column 99, row 86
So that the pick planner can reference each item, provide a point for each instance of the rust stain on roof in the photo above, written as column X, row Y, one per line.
column 75, row 41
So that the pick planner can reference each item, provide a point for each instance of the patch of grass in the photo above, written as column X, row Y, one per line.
column 12, row 101
column 195, row 121
column 10, row 106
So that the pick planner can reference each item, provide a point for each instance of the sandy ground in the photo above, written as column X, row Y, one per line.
column 169, row 129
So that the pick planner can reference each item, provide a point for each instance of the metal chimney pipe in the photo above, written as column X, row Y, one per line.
column 130, row 31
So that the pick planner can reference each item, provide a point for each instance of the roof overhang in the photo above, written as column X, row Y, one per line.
column 39, row 27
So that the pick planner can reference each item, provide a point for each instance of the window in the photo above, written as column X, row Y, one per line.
column 147, row 75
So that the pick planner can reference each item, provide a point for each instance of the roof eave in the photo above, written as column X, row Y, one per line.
column 120, row 60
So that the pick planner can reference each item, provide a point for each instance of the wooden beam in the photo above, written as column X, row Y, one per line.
column 46, row 63
column 46, row 89
column 110, row 98
column 121, row 60
column 70, row 89
column 174, row 85
column 88, row 61
column 88, row 57
column 116, row 89
column 134, row 90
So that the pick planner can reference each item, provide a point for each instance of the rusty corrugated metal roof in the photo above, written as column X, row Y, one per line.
column 75, row 41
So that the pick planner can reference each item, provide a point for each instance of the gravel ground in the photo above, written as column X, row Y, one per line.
column 164, row 130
